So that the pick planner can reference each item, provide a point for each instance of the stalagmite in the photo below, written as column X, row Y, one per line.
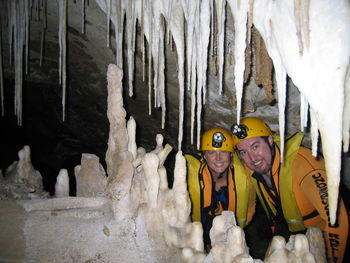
column 21, row 180
column 131, row 127
column 150, row 164
column 90, row 177
column 62, row 184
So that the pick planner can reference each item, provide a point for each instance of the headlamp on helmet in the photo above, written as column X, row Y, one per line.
column 216, row 139
column 239, row 130
column 249, row 127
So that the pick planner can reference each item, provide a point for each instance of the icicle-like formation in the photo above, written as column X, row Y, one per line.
column 193, row 96
column 177, row 29
column 314, row 132
column 108, row 22
column 203, row 26
column 26, row 17
column 143, row 41
column 131, row 35
column 118, row 19
column 346, row 117
column 11, row 24
column 18, row 21
column 205, row 37
column 191, row 54
column 62, row 36
column 42, row 42
column 221, row 17
column 240, row 10
column 150, row 62
column 304, row 109
column 192, row 12
column 1, row 74
column 83, row 16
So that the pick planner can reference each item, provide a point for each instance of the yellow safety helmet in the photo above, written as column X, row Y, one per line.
column 249, row 127
column 216, row 139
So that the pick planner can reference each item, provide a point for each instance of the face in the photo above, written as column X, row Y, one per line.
column 256, row 153
column 218, row 161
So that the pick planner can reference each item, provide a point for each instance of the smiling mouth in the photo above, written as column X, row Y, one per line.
column 257, row 163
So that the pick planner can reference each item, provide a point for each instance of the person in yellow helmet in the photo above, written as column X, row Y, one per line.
column 293, row 193
column 215, row 184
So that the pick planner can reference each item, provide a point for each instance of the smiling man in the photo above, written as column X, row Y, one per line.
column 293, row 193
column 215, row 184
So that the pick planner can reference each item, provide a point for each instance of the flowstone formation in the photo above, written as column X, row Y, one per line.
column 131, row 215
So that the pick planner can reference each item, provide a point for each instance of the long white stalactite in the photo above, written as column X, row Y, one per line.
column 62, row 36
column 1, row 75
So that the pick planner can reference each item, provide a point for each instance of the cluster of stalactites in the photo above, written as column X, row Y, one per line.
column 198, row 30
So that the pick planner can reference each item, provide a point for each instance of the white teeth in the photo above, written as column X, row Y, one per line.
column 257, row 163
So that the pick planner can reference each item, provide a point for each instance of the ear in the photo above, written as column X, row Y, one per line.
column 204, row 155
column 270, row 140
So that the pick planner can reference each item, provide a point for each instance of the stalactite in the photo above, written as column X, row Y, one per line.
column 221, row 17
column 161, row 78
column 143, row 52
column 131, row 36
column 155, row 52
column 108, row 22
column 10, row 22
column 150, row 62
column 42, row 41
column 62, row 6
column 205, row 37
column 26, row 17
column 19, row 20
column 240, row 13
column 304, row 109
column 314, row 132
column 193, row 97
column 192, row 11
column 1, row 74
column 177, row 29
column 346, row 117
column 83, row 16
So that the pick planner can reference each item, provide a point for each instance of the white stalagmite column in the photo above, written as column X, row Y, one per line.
column 118, row 137
column 62, row 184
column 131, row 128
column 90, row 177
